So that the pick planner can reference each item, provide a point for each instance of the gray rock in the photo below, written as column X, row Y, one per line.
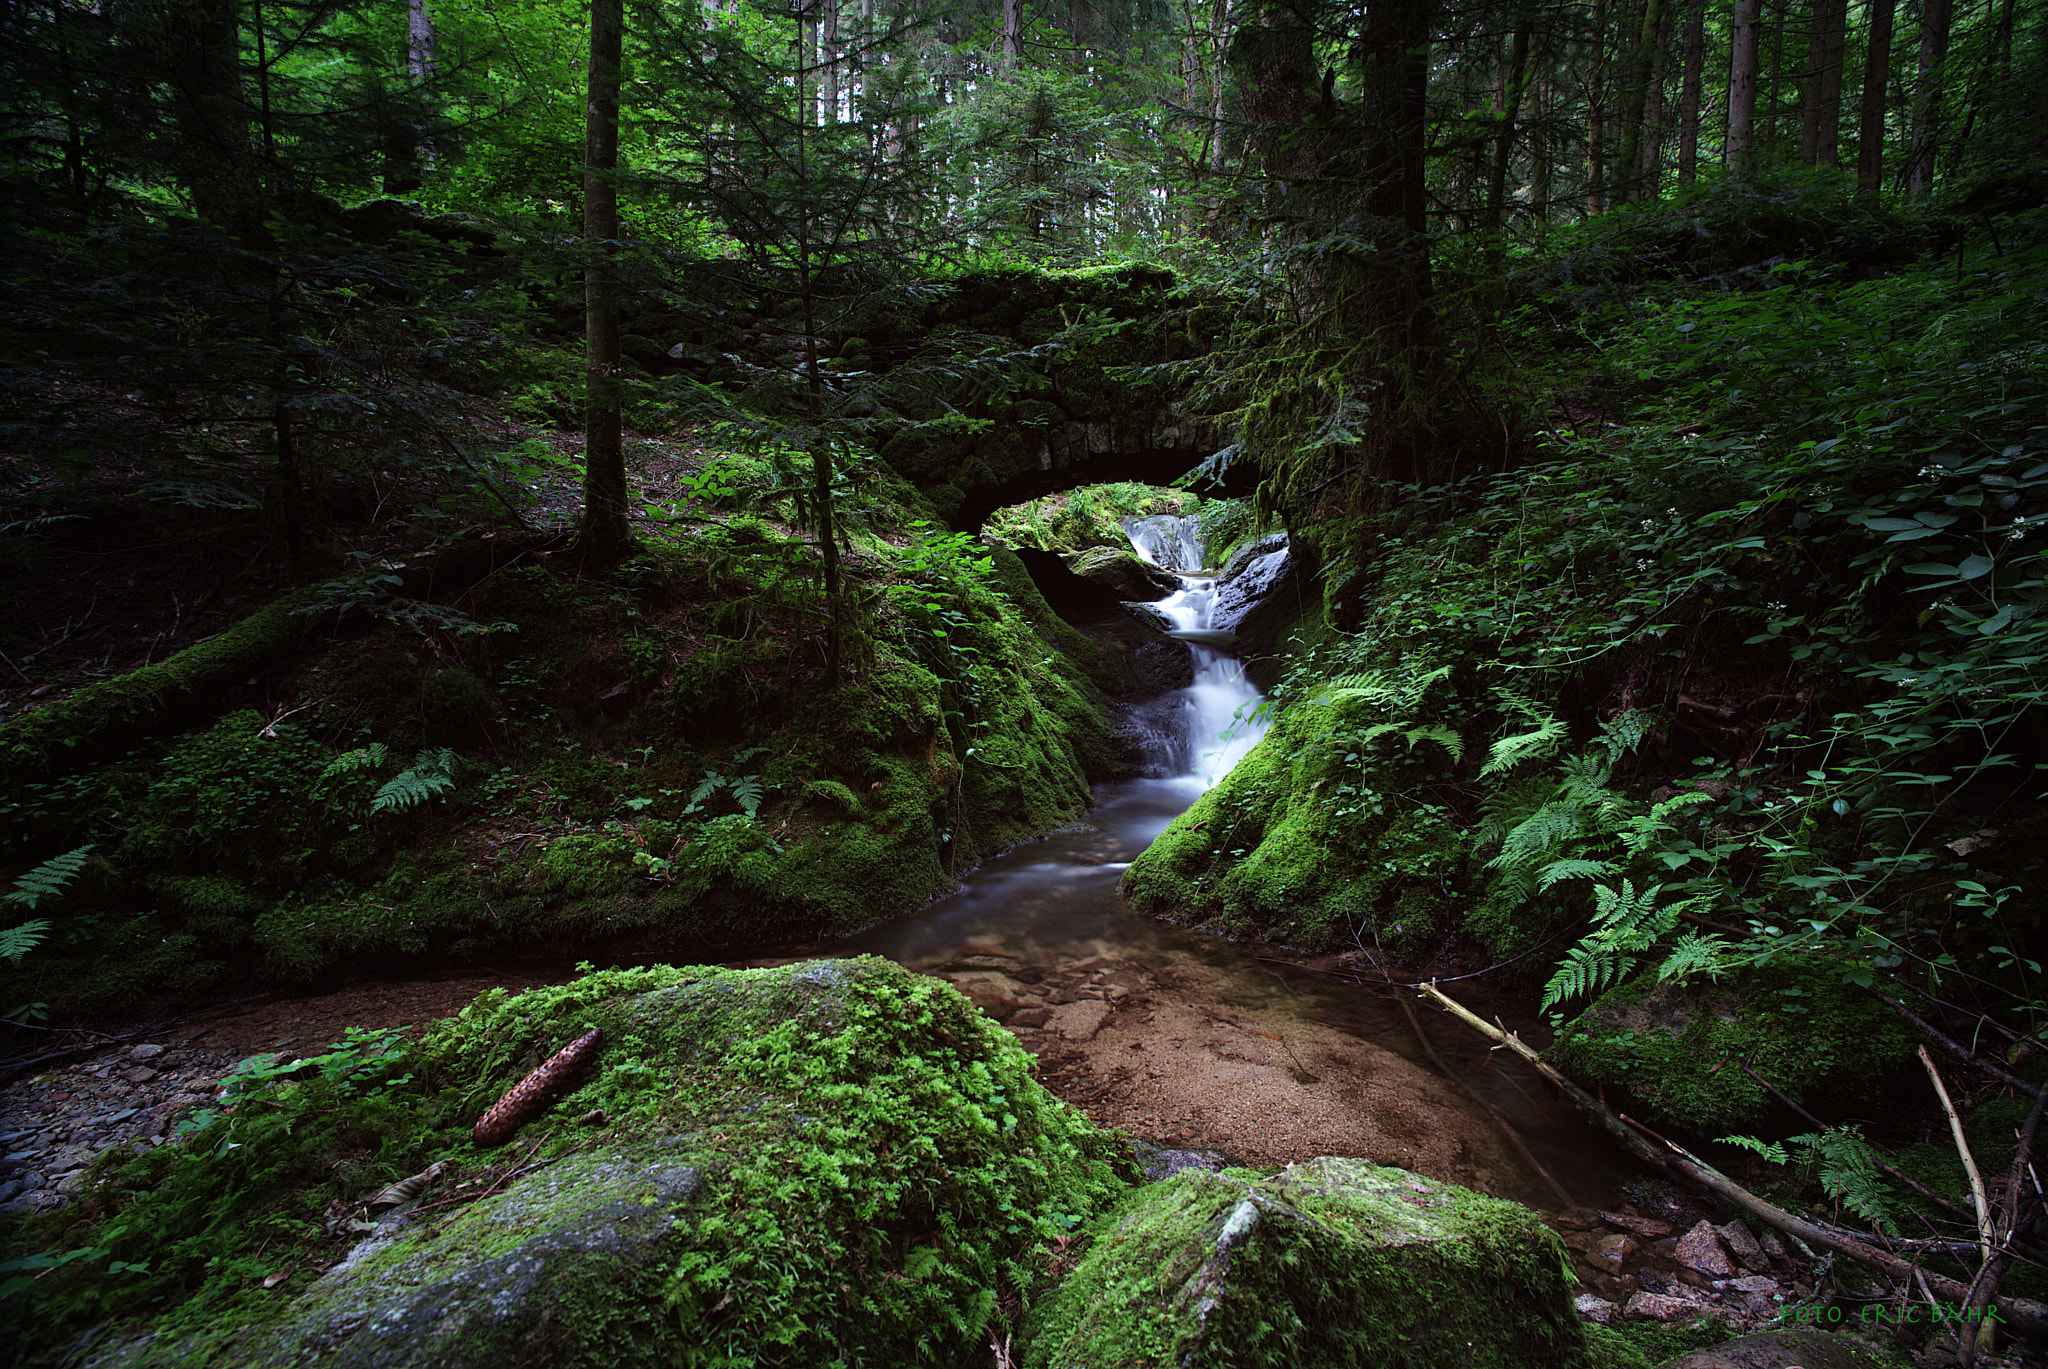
column 1700, row 1249
column 1593, row 1307
column 1158, row 1162
column 1744, row 1247
column 1801, row 1349
column 145, row 1052
column 1333, row 1262
column 1660, row 1307
column 638, row 1245
column 423, row 1297
column 1255, row 569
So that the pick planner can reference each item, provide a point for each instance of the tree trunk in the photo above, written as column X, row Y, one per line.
column 1013, row 34
column 1394, row 303
column 1877, row 72
column 1504, row 130
column 1596, row 113
column 830, row 52
column 606, row 535
column 218, row 164
column 1820, row 132
column 1647, row 68
column 1928, row 93
column 1689, row 91
column 1773, row 104
column 408, row 149
column 1740, row 151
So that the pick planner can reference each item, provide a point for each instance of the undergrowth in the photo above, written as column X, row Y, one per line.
column 1740, row 691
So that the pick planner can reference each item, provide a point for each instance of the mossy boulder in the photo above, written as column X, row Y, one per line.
column 1336, row 1261
column 1120, row 571
column 827, row 1163
column 1829, row 1046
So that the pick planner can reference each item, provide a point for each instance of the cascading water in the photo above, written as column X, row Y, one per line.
column 1201, row 731
column 1181, row 1038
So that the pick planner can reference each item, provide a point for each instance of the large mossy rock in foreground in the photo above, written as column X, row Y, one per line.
column 829, row 1163
column 1332, row 1262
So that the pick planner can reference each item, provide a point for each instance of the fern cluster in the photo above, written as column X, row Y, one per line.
column 1847, row 1166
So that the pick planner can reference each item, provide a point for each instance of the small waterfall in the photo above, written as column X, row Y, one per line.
column 1208, row 727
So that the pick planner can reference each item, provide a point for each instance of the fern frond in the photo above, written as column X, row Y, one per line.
column 1502, row 809
column 1770, row 1150
column 1443, row 734
column 1625, row 924
column 1421, row 684
column 1632, row 918
column 706, row 787
column 1574, row 867
column 16, row 942
column 1369, row 685
column 746, row 791
column 48, row 879
column 1849, row 1174
column 1590, row 967
column 1516, row 702
column 432, row 773
column 1694, row 953
column 1624, row 732
column 1532, row 838
column 1509, row 752
column 371, row 757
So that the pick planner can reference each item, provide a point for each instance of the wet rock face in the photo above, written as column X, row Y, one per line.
column 1260, row 598
column 592, row 1228
column 1255, row 570
column 1336, row 1261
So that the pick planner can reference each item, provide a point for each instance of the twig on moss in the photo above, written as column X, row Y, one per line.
column 1955, row 1128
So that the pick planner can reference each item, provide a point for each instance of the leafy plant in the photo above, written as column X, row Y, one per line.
column 1847, row 1166
column 47, row 880
column 431, row 774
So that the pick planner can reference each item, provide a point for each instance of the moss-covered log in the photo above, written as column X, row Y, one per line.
column 35, row 747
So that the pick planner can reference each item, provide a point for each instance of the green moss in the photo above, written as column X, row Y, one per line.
column 1332, row 1262
column 831, row 1163
column 1826, row 1044
column 37, row 747
column 584, row 866
column 1317, row 838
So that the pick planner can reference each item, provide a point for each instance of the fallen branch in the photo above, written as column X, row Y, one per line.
column 1955, row 1128
column 2023, row 1314
column 1500, row 1123
column 1957, row 1048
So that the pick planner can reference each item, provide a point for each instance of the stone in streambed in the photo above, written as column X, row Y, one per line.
column 1336, row 1261
column 1800, row 1349
column 1700, row 1250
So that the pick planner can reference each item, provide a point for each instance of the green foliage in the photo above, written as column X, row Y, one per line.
column 189, row 1222
column 1846, row 1166
column 46, row 881
column 431, row 773
column 1625, row 923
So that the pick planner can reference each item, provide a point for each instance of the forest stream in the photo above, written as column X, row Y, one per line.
column 1184, row 1040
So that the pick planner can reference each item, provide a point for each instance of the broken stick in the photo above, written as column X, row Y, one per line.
column 2023, row 1314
